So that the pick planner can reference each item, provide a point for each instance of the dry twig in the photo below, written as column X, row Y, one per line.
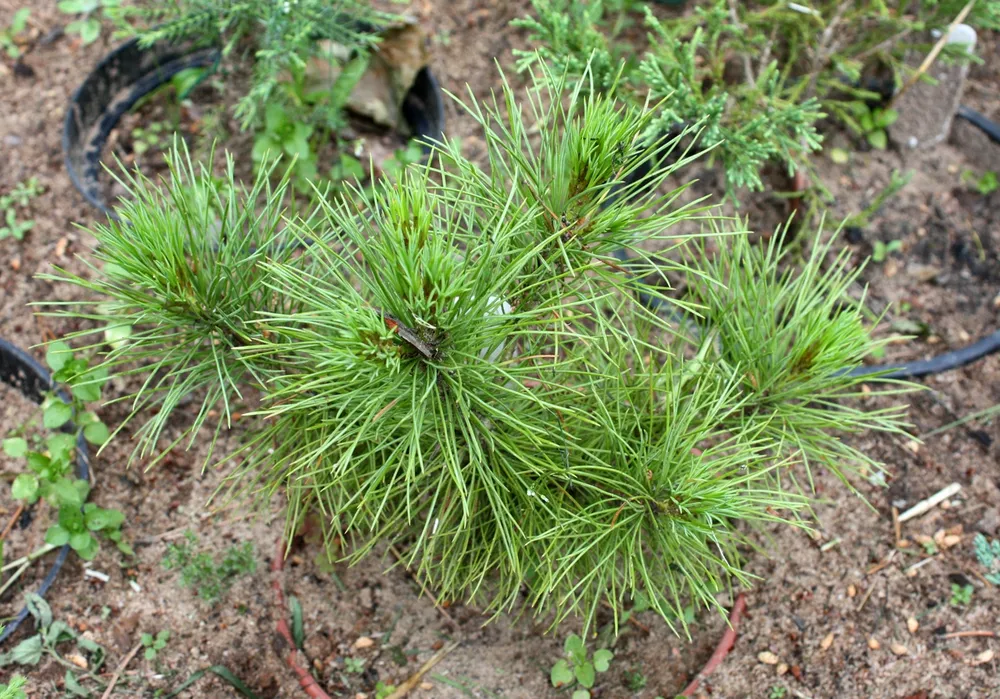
column 10, row 524
column 120, row 669
column 930, row 503
column 926, row 64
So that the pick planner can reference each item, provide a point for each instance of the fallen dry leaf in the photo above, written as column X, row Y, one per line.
column 984, row 657
column 77, row 660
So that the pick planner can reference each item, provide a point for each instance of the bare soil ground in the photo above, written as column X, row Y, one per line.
column 832, row 608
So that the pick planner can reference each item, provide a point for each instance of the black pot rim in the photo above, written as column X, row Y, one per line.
column 130, row 72
column 24, row 373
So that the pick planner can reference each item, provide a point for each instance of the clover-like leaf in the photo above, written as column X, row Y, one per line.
column 602, row 659
column 58, row 353
column 57, row 535
column 561, row 675
column 56, row 414
column 15, row 447
column 573, row 645
column 25, row 487
column 584, row 673
column 96, row 433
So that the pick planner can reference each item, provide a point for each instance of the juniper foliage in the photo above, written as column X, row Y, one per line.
column 755, row 78
column 456, row 364
column 281, row 36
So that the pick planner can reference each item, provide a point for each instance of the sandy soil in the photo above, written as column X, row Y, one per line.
column 819, row 602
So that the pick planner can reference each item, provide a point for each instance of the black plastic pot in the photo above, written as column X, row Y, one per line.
column 131, row 72
column 20, row 370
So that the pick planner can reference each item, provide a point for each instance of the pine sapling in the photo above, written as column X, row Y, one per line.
column 457, row 365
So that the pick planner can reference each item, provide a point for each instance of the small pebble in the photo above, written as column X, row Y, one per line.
column 827, row 641
column 852, row 591
column 364, row 642
column 912, row 624
column 781, row 669
column 768, row 658
column 426, row 686
column 873, row 643
column 898, row 648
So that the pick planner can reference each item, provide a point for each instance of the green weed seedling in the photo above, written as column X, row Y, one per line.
column 152, row 137
column 199, row 571
column 354, row 666
column 20, row 196
column 988, row 555
column 8, row 42
column 635, row 681
column 284, row 135
column 579, row 669
column 154, row 644
column 961, row 595
column 881, row 250
column 53, row 634
column 88, row 13
column 50, row 456
column 985, row 184
column 873, row 124
column 777, row 692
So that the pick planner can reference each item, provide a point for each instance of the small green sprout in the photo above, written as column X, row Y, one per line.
column 199, row 570
column 577, row 669
column 154, row 644
column 881, row 250
column 961, row 595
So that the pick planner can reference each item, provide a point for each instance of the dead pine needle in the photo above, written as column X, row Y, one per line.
column 415, row 679
column 864, row 600
column 829, row 545
column 970, row 634
column 13, row 519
